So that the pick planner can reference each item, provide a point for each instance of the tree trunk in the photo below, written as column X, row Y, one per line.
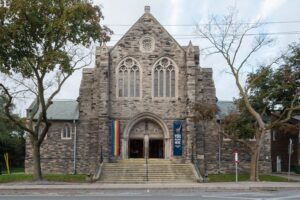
column 254, row 166
column 255, row 155
column 255, row 159
column 37, row 171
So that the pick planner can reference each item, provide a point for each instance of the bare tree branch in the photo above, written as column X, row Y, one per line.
column 7, row 111
column 234, row 138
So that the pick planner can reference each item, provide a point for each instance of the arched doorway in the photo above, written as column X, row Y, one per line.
column 146, row 135
column 146, row 138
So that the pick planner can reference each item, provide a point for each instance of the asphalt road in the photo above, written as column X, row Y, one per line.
column 157, row 195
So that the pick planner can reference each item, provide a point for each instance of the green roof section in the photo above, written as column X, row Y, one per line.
column 69, row 109
column 225, row 108
column 60, row 110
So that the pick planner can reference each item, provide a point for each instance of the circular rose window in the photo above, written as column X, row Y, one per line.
column 147, row 44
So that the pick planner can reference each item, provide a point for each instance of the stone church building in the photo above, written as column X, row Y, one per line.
column 137, row 103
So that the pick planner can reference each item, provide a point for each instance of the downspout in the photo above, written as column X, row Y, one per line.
column 219, row 156
column 75, row 146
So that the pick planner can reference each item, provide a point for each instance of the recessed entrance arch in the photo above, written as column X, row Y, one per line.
column 146, row 135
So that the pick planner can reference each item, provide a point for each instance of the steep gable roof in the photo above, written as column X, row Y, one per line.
column 59, row 110
column 146, row 16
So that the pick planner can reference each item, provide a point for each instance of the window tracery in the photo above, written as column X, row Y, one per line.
column 164, row 80
column 147, row 44
column 129, row 78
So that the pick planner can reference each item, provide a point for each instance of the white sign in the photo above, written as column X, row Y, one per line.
column 236, row 157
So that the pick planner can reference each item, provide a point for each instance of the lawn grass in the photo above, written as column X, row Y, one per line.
column 21, row 177
column 5, row 178
column 18, row 176
column 273, row 178
column 13, row 170
column 243, row 177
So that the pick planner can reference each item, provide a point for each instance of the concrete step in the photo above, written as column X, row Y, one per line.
column 134, row 171
column 144, row 181
column 142, row 175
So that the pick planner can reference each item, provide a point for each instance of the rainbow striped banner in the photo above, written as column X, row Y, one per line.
column 115, row 137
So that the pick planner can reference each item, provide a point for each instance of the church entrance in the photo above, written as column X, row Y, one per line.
column 156, row 148
column 136, row 148
column 146, row 139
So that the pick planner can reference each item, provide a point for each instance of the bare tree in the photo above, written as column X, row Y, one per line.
column 228, row 37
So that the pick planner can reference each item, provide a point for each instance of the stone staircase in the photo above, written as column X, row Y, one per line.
column 159, row 171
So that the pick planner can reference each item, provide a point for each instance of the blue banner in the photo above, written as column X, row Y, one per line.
column 177, row 138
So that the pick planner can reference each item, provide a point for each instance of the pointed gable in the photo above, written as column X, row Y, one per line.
column 154, row 33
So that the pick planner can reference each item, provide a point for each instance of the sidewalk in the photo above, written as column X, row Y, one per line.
column 293, row 176
column 228, row 186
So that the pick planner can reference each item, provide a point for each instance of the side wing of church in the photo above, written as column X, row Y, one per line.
column 137, row 103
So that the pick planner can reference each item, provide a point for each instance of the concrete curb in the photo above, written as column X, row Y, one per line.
column 243, row 186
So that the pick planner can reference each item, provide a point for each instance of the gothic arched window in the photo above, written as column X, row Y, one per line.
column 128, row 78
column 66, row 132
column 164, row 78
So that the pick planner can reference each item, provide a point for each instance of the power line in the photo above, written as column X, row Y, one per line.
column 221, row 24
column 195, row 36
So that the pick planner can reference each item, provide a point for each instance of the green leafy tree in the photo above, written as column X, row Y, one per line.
column 11, row 139
column 41, row 44
column 273, row 93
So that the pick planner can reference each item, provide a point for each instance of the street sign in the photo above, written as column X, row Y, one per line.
column 290, row 150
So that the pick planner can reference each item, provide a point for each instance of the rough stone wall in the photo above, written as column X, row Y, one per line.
column 87, row 142
column 57, row 154
column 216, row 145
column 102, row 100
column 191, row 98
column 165, row 46
column 206, row 133
column 98, row 99
column 93, row 137
column 228, row 148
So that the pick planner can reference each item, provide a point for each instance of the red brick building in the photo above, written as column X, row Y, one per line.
column 280, row 139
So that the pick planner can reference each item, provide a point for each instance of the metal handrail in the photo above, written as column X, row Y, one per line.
column 98, row 170
column 101, row 154
column 196, row 166
column 147, row 173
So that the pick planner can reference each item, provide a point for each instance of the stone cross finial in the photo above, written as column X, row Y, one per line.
column 147, row 9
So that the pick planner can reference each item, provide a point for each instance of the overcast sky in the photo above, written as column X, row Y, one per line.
column 189, row 12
